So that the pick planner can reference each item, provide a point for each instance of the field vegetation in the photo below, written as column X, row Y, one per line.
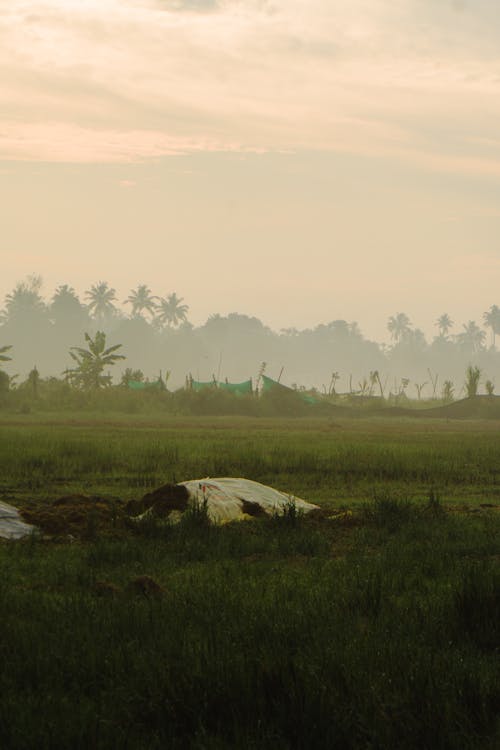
column 374, row 625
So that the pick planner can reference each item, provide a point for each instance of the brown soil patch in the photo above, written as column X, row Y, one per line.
column 78, row 517
column 162, row 500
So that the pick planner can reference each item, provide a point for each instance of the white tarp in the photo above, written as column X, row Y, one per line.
column 11, row 524
column 224, row 497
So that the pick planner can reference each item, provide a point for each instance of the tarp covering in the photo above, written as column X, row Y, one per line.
column 268, row 384
column 138, row 385
column 198, row 385
column 11, row 525
column 230, row 499
column 238, row 388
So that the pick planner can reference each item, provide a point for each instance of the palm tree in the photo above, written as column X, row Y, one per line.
column 66, row 309
column 141, row 299
column 101, row 297
column 472, row 337
column 444, row 324
column 399, row 326
column 25, row 300
column 492, row 320
column 92, row 361
column 170, row 311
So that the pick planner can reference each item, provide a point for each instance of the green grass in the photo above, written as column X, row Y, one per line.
column 267, row 634
column 365, row 632
column 329, row 462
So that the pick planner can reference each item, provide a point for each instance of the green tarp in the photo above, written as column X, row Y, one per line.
column 197, row 385
column 237, row 388
column 137, row 385
column 269, row 384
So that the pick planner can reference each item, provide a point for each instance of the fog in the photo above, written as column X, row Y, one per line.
column 156, row 337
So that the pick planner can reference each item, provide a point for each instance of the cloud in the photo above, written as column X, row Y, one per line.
column 124, row 80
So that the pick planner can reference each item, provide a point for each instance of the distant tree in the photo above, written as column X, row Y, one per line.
column 415, row 340
column 141, row 300
column 170, row 311
column 399, row 326
column 101, row 298
column 447, row 392
column 434, row 381
column 34, row 380
column 420, row 387
column 472, row 378
column 472, row 337
column 25, row 301
column 4, row 377
column 490, row 387
column 333, row 381
column 130, row 374
column 404, row 383
column 444, row 324
column 91, row 362
column 355, row 330
column 340, row 329
column 66, row 309
column 375, row 379
column 492, row 320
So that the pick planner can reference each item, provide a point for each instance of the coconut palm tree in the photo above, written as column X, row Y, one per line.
column 66, row 309
column 492, row 320
column 170, row 311
column 91, row 362
column 25, row 300
column 444, row 324
column 141, row 300
column 399, row 326
column 101, row 297
column 472, row 337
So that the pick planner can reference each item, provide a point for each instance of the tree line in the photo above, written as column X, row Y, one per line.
column 156, row 334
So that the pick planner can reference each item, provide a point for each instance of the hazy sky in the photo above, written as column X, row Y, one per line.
column 300, row 160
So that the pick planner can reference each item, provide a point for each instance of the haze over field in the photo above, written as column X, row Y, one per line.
column 302, row 161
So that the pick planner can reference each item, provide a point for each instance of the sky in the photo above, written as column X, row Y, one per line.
column 297, row 160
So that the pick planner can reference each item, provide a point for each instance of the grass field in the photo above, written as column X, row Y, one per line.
column 372, row 630
column 326, row 461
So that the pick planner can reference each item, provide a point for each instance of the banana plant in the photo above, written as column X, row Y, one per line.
column 91, row 362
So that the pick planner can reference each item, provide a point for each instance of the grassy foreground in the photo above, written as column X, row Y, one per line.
column 366, row 631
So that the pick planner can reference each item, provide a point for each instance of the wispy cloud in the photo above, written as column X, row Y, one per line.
column 125, row 80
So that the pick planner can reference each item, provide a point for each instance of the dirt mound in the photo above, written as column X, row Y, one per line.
column 161, row 501
column 477, row 407
column 78, row 516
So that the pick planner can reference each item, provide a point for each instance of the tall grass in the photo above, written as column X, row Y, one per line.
column 265, row 635
column 125, row 459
